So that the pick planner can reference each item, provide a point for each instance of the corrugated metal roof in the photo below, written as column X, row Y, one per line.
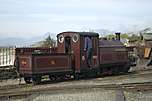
column 88, row 34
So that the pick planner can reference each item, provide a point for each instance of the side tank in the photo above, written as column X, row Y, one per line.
column 113, row 56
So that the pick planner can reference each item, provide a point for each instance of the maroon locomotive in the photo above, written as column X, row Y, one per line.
column 69, row 58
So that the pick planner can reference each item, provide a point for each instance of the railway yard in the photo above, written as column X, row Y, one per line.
column 133, row 86
column 66, row 73
column 75, row 50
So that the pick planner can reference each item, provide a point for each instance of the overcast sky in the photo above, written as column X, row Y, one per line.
column 36, row 17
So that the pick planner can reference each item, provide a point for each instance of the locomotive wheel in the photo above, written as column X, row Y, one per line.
column 98, row 73
column 115, row 70
column 52, row 78
column 77, row 76
column 105, row 71
column 62, row 77
column 109, row 71
column 36, row 79
column 126, row 69
column 27, row 80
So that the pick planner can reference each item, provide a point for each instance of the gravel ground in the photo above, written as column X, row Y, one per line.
column 95, row 94
column 79, row 95
column 138, row 96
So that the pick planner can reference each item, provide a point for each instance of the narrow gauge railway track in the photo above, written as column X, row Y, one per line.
column 7, row 87
column 130, row 74
column 134, row 73
column 147, row 86
column 24, row 89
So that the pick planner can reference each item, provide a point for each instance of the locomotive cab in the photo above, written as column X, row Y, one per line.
column 74, row 43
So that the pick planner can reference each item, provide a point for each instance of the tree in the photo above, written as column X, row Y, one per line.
column 110, row 36
column 134, row 38
column 49, row 42
column 124, row 36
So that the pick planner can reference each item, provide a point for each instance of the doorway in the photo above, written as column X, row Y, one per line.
column 67, row 44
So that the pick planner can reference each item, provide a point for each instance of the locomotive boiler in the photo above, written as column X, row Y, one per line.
column 69, row 58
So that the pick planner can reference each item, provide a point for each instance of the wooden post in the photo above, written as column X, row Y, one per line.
column 3, row 56
column 0, row 57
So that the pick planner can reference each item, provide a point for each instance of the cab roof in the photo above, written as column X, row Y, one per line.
column 82, row 33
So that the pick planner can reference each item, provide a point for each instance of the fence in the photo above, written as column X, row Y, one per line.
column 7, row 56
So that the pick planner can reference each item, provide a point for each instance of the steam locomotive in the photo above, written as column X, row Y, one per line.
column 69, row 58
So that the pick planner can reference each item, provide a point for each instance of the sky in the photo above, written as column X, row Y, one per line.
column 29, row 18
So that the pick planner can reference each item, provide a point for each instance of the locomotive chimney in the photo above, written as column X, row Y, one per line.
column 118, row 35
